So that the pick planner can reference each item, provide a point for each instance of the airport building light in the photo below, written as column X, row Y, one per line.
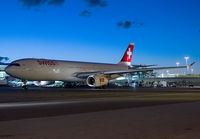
column 177, row 64
column 192, row 70
column 162, row 75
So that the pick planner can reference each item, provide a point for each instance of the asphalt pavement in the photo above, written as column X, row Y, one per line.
column 22, row 111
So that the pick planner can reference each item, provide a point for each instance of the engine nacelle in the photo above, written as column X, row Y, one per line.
column 97, row 80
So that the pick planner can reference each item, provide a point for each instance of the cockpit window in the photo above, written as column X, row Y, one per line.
column 15, row 64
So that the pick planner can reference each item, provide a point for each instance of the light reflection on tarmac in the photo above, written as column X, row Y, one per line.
column 30, row 104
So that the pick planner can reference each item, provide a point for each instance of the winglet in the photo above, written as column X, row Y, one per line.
column 191, row 65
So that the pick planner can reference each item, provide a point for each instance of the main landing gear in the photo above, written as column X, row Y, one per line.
column 69, row 85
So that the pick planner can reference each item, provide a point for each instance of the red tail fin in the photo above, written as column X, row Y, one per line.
column 126, row 60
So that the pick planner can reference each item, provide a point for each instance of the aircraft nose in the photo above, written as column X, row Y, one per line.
column 13, row 69
column 7, row 70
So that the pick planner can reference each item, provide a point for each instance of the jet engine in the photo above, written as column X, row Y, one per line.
column 97, row 80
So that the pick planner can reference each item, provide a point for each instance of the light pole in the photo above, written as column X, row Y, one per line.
column 186, row 61
column 177, row 64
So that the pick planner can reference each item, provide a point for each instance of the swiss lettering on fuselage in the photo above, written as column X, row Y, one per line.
column 47, row 62
column 101, row 79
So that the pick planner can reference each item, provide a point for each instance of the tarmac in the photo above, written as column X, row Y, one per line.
column 95, row 113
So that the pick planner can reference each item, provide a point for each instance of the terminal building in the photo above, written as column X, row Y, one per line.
column 3, row 75
column 162, row 78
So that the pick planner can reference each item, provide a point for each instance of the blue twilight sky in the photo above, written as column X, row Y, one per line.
column 164, row 31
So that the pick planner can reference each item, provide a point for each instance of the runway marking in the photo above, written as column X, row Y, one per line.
column 28, row 104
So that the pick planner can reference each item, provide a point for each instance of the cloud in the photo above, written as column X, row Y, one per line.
column 85, row 13
column 34, row 3
column 120, row 23
column 95, row 3
column 129, row 24
column 137, row 24
column 3, row 59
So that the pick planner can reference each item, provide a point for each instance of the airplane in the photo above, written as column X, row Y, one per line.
column 95, row 74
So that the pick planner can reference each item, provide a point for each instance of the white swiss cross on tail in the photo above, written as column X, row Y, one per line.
column 129, row 53
column 126, row 60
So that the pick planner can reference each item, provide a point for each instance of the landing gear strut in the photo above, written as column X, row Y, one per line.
column 69, row 85
column 25, row 86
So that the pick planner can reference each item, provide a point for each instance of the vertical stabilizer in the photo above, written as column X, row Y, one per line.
column 126, row 60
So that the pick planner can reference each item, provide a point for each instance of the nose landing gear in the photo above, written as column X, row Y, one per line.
column 25, row 86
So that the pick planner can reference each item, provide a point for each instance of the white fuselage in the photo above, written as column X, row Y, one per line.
column 43, row 69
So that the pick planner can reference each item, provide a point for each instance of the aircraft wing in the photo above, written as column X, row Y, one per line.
column 120, row 72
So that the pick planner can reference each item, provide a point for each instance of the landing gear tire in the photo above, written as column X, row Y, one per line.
column 101, row 87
